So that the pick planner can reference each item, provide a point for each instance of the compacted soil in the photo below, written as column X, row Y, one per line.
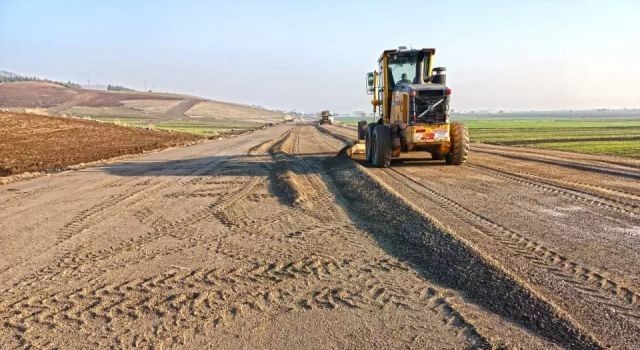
column 275, row 239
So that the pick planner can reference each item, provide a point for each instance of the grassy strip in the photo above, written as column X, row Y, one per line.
column 618, row 148
column 209, row 127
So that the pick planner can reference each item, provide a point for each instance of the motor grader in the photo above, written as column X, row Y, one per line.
column 326, row 118
column 412, row 101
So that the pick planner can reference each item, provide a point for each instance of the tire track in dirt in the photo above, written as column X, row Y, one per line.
column 623, row 173
column 210, row 298
column 599, row 188
column 73, row 259
column 83, row 220
column 618, row 203
column 621, row 298
column 447, row 260
column 30, row 195
column 620, row 162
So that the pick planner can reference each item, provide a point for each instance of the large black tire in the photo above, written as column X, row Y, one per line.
column 368, row 141
column 381, row 146
column 459, row 136
column 362, row 129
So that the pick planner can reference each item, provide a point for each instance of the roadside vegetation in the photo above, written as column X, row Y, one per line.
column 208, row 127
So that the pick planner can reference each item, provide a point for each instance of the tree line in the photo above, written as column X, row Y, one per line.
column 17, row 78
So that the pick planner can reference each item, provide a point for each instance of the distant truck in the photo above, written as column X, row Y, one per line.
column 326, row 117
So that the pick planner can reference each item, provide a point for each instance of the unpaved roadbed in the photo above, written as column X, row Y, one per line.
column 270, row 240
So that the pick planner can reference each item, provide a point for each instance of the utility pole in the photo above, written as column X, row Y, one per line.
column 145, row 85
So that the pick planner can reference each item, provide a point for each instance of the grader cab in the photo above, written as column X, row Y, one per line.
column 412, row 100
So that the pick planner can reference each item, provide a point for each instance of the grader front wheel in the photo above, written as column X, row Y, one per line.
column 381, row 146
column 368, row 142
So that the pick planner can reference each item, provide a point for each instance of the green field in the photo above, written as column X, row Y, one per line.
column 608, row 136
column 208, row 127
column 585, row 132
column 124, row 121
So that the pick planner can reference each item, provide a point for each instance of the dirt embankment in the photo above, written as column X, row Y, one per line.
column 30, row 143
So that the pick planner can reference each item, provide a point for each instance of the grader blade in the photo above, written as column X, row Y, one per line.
column 357, row 149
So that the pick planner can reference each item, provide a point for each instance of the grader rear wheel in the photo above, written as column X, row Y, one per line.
column 459, row 144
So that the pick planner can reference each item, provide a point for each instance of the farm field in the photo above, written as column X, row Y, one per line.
column 30, row 142
column 614, row 136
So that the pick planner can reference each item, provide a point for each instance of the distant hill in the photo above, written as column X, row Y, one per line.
column 8, row 77
column 136, row 108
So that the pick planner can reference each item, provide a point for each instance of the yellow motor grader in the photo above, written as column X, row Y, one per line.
column 412, row 99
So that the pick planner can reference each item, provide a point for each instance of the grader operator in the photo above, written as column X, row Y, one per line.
column 412, row 99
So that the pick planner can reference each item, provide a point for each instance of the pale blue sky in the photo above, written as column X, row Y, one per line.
column 512, row 55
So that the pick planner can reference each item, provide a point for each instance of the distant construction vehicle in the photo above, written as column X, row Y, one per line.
column 412, row 100
column 326, row 117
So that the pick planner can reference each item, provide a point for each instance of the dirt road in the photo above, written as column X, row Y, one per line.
column 270, row 240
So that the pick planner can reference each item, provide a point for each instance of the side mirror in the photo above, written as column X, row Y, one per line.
column 370, row 78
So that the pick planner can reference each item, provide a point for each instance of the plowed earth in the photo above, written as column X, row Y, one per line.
column 30, row 142
column 275, row 239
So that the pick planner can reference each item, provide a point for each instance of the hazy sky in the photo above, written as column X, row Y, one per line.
column 511, row 55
